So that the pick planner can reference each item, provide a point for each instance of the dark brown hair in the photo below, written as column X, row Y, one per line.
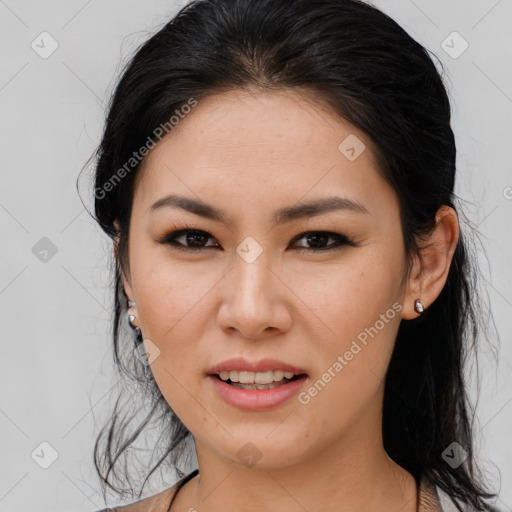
column 376, row 76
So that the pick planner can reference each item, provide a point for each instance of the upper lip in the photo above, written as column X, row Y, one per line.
column 263, row 365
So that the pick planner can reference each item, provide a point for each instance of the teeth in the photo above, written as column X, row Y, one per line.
column 258, row 386
column 255, row 377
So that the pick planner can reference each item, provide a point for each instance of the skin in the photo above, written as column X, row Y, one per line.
column 250, row 153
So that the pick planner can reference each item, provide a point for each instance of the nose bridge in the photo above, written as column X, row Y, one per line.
column 251, row 271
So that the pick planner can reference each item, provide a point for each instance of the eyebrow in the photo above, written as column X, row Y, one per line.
column 281, row 216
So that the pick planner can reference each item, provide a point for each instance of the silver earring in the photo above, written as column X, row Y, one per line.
column 130, row 314
column 418, row 306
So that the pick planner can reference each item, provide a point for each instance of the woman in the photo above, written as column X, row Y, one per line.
column 278, row 181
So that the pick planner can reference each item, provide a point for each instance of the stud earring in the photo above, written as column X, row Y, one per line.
column 418, row 306
column 131, row 318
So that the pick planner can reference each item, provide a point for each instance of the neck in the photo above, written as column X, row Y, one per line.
column 354, row 477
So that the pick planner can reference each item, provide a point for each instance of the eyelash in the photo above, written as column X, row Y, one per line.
column 341, row 240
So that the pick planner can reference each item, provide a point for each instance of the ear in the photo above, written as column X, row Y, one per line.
column 125, row 279
column 430, row 271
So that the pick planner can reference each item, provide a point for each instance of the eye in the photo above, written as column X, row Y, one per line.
column 319, row 238
column 198, row 238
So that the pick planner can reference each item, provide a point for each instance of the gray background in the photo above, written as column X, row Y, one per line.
column 56, row 368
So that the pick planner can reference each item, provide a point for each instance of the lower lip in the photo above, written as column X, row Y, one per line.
column 257, row 399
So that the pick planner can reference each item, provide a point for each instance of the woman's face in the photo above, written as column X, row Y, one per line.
column 248, row 291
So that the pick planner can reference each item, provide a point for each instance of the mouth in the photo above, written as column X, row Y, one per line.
column 257, row 390
column 255, row 381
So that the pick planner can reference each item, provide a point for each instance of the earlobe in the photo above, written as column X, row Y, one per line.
column 432, row 267
column 411, row 307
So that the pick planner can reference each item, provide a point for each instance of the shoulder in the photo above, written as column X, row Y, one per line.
column 157, row 503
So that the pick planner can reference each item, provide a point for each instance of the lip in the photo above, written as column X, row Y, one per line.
column 263, row 365
column 257, row 399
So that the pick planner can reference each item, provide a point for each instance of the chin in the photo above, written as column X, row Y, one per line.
column 263, row 453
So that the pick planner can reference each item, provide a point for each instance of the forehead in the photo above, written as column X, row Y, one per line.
column 246, row 147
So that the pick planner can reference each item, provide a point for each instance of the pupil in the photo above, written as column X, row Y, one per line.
column 192, row 236
column 316, row 237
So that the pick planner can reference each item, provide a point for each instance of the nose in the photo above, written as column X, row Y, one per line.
column 254, row 300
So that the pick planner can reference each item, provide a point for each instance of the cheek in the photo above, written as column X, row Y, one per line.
column 174, row 314
column 345, row 297
column 359, row 314
column 172, row 317
column 171, row 298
